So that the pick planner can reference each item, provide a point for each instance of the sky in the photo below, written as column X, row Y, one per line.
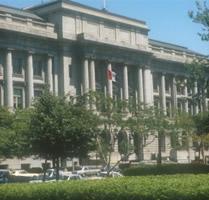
column 167, row 20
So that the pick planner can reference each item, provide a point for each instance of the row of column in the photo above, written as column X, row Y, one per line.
column 144, row 83
column 8, row 77
column 174, row 95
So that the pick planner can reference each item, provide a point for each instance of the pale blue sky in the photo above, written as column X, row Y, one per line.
column 167, row 19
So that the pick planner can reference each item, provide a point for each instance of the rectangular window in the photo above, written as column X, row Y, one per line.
column 18, row 66
column 168, row 108
column 167, row 85
column 38, row 93
column 163, row 143
column 38, row 65
column 155, row 83
column 25, row 166
column 18, row 98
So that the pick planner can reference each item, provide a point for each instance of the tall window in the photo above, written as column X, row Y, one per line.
column 163, row 143
column 18, row 66
column 167, row 84
column 38, row 64
column 18, row 98
column 155, row 82
column 38, row 93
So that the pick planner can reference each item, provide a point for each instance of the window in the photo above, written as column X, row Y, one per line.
column 18, row 98
column 25, row 166
column 155, row 83
column 168, row 108
column 167, row 84
column 163, row 143
column 18, row 66
column 156, row 102
column 37, row 67
column 38, row 93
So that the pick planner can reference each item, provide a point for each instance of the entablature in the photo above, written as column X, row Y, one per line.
column 27, row 26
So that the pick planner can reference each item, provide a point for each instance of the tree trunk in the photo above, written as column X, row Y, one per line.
column 57, row 169
column 139, row 146
column 45, row 168
column 159, row 158
column 203, row 151
column 53, row 163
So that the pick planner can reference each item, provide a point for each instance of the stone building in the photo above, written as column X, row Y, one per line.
column 71, row 47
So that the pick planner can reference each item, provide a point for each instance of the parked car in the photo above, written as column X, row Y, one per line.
column 74, row 177
column 4, row 175
column 113, row 174
column 23, row 176
column 87, row 171
column 51, row 174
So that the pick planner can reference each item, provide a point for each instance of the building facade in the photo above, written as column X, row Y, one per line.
column 70, row 47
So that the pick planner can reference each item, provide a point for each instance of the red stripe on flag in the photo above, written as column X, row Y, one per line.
column 109, row 74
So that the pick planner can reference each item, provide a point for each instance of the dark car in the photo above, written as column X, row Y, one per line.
column 4, row 175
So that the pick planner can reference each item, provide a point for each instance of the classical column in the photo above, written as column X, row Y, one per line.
column 92, row 82
column 140, row 85
column 205, row 103
column 8, row 79
column 64, row 78
column 148, row 86
column 195, row 91
column 2, row 94
column 56, row 76
column 92, row 76
column 125, row 83
column 186, row 103
column 49, row 73
column 109, row 80
column 85, row 76
column 29, row 79
column 162, row 93
column 174, row 94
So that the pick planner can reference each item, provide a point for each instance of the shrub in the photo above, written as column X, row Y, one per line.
column 184, row 187
column 166, row 169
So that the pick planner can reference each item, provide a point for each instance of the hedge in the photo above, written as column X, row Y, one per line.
column 166, row 169
column 181, row 187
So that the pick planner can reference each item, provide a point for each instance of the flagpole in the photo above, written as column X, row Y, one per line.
column 104, row 4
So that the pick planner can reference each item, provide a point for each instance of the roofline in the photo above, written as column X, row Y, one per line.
column 87, row 7
column 22, row 10
column 176, row 47
column 167, row 43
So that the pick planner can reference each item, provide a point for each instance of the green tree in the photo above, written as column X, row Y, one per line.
column 162, row 126
column 111, row 115
column 6, row 133
column 61, row 128
column 139, row 125
column 198, row 73
column 184, row 132
column 201, row 16
column 202, row 133
column 13, row 133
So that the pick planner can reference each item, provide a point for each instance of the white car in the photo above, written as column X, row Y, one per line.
column 74, row 177
column 112, row 174
column 87, row 171
column 23, row 176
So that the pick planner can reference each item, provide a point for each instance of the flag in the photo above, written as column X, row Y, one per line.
column 113, row 76
column 109, row 74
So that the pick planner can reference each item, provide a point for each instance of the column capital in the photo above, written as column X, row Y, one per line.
column 30, row 52
column 50, row 55
column 146, row 66
column 9, row 49
column 163, row 73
